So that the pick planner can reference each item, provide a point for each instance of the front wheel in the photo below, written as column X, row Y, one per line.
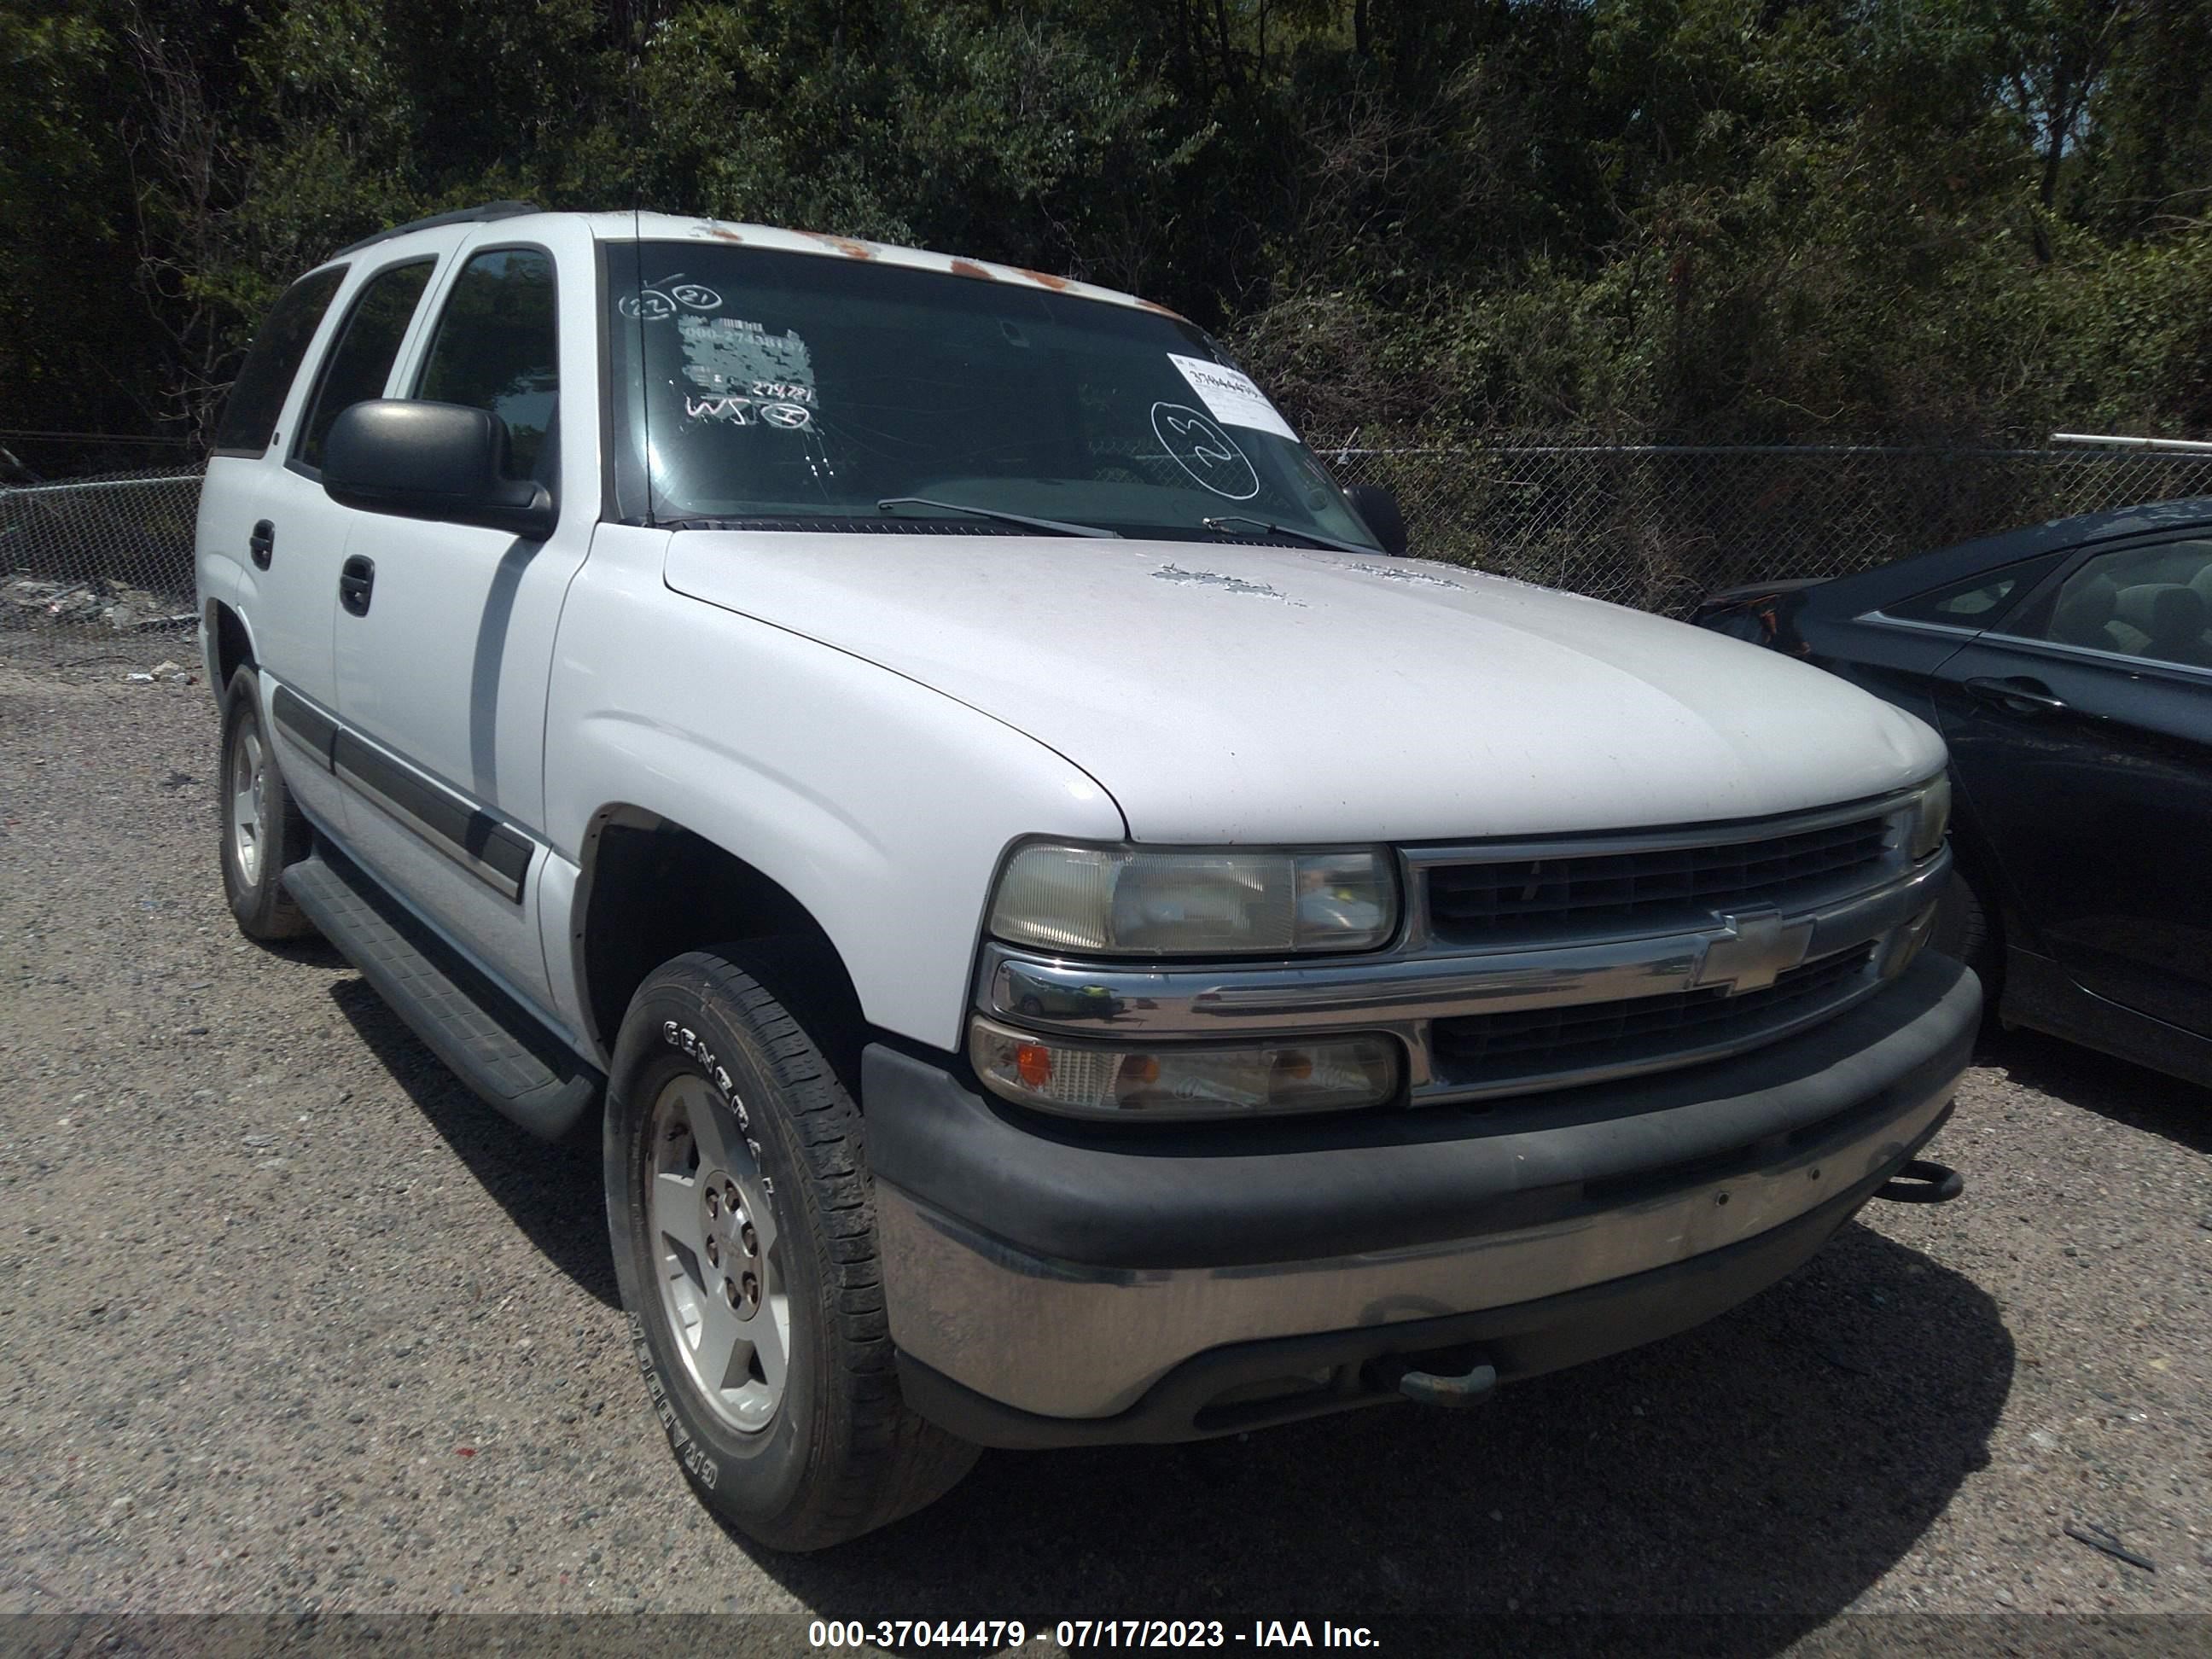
column 1964, row 932
column 744, row 1239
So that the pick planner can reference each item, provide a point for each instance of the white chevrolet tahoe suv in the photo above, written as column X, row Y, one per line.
column 1072, row 937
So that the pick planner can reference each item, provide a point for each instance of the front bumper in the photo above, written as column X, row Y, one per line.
column 1050, row 1283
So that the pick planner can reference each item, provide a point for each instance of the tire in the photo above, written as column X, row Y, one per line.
column 263, row 832
column 1965, row 932
column 760, row 1331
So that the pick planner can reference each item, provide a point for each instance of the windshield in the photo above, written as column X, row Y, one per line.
column 794, row 386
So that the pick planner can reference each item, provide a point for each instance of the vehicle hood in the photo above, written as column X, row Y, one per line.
column 1231, row 693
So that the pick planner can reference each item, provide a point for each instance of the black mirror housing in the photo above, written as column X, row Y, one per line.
column 423, row 460
column 1378, row 510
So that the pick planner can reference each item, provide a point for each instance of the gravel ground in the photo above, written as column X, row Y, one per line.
column 288, row 1322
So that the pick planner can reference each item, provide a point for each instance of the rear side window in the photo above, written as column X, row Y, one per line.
column 256, row 397
column 1977, row 602
column 496, row 349
column 360, row 360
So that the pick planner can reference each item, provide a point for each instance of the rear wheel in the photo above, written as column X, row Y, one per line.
column 744, row 1239
column 263, row 832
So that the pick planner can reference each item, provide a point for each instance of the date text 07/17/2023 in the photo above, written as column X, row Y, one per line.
column 899, row 1635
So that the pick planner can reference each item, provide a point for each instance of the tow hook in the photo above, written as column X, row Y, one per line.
column 1469, row 1387
column 1922, row 1181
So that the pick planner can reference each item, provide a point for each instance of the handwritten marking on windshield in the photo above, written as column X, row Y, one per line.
column 660, row 302
column 1205, row 452
column 1171, row 573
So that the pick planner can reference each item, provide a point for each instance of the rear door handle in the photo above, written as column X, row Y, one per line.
column 262, row 544
column 356, row 577
column 2019, row 696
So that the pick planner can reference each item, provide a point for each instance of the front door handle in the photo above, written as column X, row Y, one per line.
column 2019, row 696
column 356, row 577
column 262, row 544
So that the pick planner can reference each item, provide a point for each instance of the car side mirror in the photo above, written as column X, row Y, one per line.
column 422, row 460
column 1378, row 510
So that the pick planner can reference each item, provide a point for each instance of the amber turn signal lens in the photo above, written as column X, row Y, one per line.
column 1177, row 1080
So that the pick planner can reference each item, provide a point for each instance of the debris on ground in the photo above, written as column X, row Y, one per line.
column 163, row 671
column 2098, row 1538
column 123, row 607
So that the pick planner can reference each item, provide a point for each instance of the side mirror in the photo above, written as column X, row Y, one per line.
column 444, row 461
column 1378, row 509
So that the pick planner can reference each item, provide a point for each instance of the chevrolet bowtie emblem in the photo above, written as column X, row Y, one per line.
column 1757, row 949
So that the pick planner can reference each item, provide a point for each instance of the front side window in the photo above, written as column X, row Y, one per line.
column 360, row 360
column 2152, row 602
column 256, row 397
column 497, row 347
column 771, row 385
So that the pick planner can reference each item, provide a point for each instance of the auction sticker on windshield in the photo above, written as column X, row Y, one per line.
column 1230, row 397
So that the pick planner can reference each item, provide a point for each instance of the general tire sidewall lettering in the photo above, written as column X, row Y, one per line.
column 690, row 1040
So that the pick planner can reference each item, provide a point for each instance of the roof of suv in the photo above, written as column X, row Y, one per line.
column 625, row 227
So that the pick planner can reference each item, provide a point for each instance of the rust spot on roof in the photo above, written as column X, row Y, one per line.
column 1044, row 279
column 722, row 231
column 967, row 268
column 844, row 245
column 1149, row 306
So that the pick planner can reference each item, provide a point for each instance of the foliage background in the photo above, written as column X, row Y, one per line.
column 1692, row 221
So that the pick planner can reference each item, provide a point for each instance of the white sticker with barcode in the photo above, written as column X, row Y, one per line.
column 1230, row 397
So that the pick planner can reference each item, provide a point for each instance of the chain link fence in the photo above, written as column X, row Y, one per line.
column 111, row 553
column 1657, row 527
column 1644, row 525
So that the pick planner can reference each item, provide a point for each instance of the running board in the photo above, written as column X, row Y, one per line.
column 495, row 1047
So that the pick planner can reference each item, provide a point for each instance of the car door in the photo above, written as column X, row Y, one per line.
column 301, row 543
column 443, row 642
column 266, row 576
column 2080, row 727
column 1896, row 650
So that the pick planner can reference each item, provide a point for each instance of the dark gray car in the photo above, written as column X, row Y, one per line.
column 2069, row 666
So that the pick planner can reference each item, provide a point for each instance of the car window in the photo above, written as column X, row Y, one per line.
column 257, row 395
column 2152, row 602
column 1979, row 600
column 360, row 360
column 496, row 349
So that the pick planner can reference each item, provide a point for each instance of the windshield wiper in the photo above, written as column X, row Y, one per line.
column 1223, row 525
column 1050, row 527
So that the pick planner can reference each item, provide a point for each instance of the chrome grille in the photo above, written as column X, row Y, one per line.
column 1587, row 894
column 1488, row 1050
column 1553, row 962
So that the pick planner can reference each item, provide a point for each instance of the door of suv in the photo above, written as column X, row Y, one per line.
column 301, row 540
column 264, row 570
column 444, row 631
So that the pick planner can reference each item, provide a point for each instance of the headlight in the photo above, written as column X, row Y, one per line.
column 1173, row 1080
column 1129, row 901
column 1931, row 817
